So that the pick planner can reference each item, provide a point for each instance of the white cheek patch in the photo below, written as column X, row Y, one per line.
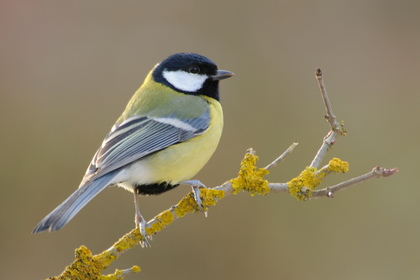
column 185, row 81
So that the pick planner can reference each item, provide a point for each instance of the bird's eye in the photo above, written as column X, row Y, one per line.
column 194, row 69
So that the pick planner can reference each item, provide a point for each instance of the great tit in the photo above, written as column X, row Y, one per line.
column 167, row 133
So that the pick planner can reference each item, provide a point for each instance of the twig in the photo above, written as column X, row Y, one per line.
column 377, row 172
column 281, row 157
column 336, row 128
column 330, row 117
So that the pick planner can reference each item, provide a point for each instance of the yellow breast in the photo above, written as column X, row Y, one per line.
column 178, row 162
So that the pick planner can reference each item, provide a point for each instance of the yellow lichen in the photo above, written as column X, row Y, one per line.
column 209, row 197
column 84, row 267
column 126, row 242
column 250, row 178
column 303, row 185
column 185, row 206
column 88, row 266
column 136, row 269
column 162, row 220
column 117, row 275
column 337, row 165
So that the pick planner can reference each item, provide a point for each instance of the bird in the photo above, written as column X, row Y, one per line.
column 168, row 131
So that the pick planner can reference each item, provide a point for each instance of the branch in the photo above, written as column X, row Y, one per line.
column 336, row 128
column 250, row 179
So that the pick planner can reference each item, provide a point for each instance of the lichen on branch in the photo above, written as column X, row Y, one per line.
column 250, row 177
column 302, row 186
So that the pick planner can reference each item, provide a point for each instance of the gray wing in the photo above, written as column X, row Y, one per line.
column 127, row 142
column 140, row 136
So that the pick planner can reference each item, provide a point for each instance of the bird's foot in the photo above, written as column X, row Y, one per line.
column 141, row 225
column 196, row 185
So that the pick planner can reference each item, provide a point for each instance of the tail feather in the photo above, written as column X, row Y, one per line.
column 61, row 215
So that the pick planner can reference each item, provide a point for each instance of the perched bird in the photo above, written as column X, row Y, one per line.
column 167, row 133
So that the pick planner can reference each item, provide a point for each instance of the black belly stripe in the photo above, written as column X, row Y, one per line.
column 155, row 189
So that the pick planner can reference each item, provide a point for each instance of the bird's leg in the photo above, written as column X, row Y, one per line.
column 196, row 185
column 140, row 221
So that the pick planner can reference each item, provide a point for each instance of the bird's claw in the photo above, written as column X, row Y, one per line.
column 141, row 224
column 197, row 198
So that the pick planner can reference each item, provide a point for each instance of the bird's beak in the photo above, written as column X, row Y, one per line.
column 221, row 74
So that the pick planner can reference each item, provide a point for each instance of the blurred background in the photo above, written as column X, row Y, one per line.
column 68, row 68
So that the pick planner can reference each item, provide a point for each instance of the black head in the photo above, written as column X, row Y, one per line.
column 190, row 73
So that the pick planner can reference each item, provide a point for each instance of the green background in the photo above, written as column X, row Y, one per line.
column 68, row 68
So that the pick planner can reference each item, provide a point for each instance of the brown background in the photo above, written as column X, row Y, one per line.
column 67, row 69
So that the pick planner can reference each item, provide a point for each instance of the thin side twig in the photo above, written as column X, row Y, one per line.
column 377, row 172
column 281, row 157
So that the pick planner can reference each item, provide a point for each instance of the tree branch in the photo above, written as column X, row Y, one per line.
column 250, row 179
